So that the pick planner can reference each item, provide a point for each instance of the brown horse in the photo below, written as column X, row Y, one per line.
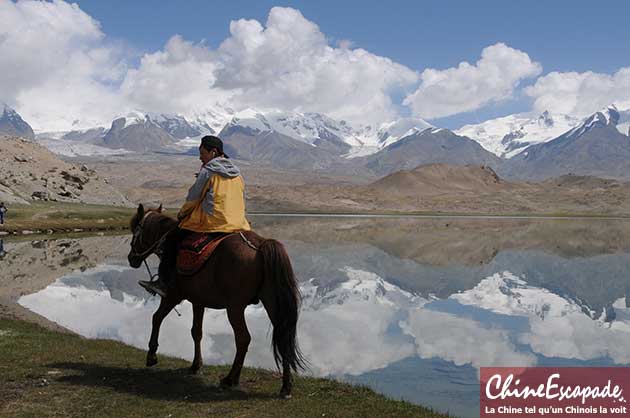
column 235, row 275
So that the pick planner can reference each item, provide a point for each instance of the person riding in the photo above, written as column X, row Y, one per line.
column 215, row 204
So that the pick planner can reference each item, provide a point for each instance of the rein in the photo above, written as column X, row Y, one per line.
column 248, row 242
column 151, row 275
column 137, row 236
column 156, row 248
column 151, row 249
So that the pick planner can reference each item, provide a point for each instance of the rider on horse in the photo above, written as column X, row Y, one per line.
column 215, row 204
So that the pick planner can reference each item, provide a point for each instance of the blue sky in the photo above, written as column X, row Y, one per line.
column 573, row 38
column 563, row 35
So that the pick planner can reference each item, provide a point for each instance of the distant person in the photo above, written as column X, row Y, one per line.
column 3, row 211
column 215, row 204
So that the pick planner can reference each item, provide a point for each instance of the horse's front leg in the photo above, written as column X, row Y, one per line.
column 242, row 338
column 197, row 334
column 166, row 305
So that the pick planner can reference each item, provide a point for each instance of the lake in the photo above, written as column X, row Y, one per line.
column 410, row 307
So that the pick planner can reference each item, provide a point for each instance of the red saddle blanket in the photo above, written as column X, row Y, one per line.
column 195, row 250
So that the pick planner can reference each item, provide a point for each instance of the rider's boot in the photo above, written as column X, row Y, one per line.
column 156, row 287
column 166, row 271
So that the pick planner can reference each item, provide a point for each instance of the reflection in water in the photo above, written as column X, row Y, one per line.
column 2, row 251
column 410, row 307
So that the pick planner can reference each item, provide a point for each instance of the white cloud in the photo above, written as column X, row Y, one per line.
column 286, row 64
column 58, row 67
column 178, row 79
column 462, row 340
column 55, row 65
column 580, row 94
column 468, row 87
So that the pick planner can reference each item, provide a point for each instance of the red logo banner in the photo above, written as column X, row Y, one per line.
column 554, row 391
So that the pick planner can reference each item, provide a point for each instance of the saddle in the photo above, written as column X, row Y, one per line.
column 195, row 249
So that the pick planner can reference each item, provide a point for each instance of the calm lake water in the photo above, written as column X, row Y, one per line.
column 410, row 307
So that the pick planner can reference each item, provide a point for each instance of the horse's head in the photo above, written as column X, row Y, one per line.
column 145, row 235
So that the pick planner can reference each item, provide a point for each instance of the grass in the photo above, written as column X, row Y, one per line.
column 66, row 217
column 45, row 373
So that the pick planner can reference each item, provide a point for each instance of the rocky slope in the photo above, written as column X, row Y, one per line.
column 30, row 172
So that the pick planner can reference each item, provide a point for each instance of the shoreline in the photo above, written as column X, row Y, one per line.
column 57, row 219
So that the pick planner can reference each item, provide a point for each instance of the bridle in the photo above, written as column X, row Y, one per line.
column 138, row 237
column 156, row 247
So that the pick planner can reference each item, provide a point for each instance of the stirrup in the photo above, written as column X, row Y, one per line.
column 152, row 288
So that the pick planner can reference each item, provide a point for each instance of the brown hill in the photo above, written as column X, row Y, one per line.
column 29, row 172
column 434, row 179
column 439, row 188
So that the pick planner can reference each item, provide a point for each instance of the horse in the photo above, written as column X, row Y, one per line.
column 237, row 273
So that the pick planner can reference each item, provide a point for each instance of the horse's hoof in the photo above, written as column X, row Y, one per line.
column 151, row 360
column 285, row 393
column 227, row 383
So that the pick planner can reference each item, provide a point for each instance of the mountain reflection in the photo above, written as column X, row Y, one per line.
column 390, row 302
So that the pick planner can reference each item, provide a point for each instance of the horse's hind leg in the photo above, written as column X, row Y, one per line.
column 166, row 305
column 197, row 333
column 242, row 338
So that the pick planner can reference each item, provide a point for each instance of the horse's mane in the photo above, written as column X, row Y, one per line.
column 166, row 221
column 163, row 220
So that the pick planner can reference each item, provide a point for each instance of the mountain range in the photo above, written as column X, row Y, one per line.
column 521, row 146
column 596, row 146
column 510, row 135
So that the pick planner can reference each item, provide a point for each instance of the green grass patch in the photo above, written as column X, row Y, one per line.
column 45, row 373
column 57, row 216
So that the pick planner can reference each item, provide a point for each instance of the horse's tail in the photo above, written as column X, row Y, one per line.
column 285, row 301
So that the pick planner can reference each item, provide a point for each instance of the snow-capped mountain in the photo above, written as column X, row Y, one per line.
column 608, row 116
column 319, row 130
column 594, row 147
column 310, row 128
column 508, row 294
column 509, row 135
column 391, row 132
column 11, row 123
column 137, row 131
column 361, row 286
column 430, row 146
column 179, row 127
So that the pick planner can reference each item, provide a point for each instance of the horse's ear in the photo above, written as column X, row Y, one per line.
column 140, row 211
column 159, row 209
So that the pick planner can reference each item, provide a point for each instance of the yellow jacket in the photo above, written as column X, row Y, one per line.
column 216, row 202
